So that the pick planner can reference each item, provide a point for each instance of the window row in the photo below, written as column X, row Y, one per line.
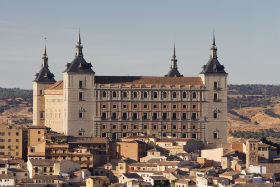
column 145, row 106
column 174, row 135
column 149, row 116
column 153, row 126
column 148, row 94
column 9, row 133
column 9, row 140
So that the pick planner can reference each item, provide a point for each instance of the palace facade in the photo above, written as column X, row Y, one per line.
column 84, row 104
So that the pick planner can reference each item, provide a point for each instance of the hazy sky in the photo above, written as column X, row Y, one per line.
column 136, row 37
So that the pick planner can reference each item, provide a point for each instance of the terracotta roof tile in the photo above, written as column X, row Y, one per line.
column 56, row 86
column 148, row 80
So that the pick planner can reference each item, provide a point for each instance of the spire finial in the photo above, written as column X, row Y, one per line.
column 173, row 59
column 45, row 48
column 79, row 47
column 214, row 42
column 213, row 48
column 45, row 57
column 174, row 52
column 79, row 39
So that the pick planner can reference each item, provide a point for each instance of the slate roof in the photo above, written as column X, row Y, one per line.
column 148, row 80
column 213, row 66
column 79, row 65
column 44, row 75
column 173, row 73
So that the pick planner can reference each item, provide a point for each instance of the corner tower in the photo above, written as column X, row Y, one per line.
column 42, row 81
column 78, row 95
column 214, row 78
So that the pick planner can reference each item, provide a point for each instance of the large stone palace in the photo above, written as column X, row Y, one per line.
column 83, row 104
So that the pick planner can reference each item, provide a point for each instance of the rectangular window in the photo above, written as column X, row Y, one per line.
column 164, row 127
column 174, row 106
column 104, row 116
column 215, row 85
column 80, row 96
column 194, row 106
column 145, row 106
column 194, row 135
column 145, row 127
column 184, row 127
column 134, row 117
column 184, row 117
column 124, row 106
column 174, row 116
column 184, row 106
column 174, row 127
column 155, row 116
column 216, row 97
column 215, row 135
column 41, row 92
column 134, row 106
column 145, row 116
column 114, row 116
column 194, row 115
column 2, row 133
column 80, row 84
column 114, row 106
column 215, row 115
column 164, row 106
column 124, row 127
column 124, row 116
column 103, row 106
column 41, row 115
column 164, row 115
column 155, row 106
column 80, row 115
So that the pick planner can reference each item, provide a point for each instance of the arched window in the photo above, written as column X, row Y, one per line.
column 194, row 95
column 145, row 95
column 125, row 94
column 174, row 94
column 114, row 94
column 184, row 95
column 104, row 94
column 155, row 95
column 164, row 95
column 135, row 94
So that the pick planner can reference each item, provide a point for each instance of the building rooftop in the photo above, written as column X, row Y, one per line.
column 42, row 162
column 132, row 176
column 148, row 80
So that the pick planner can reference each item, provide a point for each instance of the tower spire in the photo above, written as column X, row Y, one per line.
column 213, row 48
column 45, row 57
column 174, row 60
column 79, row 47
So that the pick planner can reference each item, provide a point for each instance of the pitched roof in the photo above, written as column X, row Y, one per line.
column 148, row 80
column 213, row 66
column 132, row 176
column 42, row 162
column 56, row 86
column 44, row 75
column 79, row 65
column 173, row 73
